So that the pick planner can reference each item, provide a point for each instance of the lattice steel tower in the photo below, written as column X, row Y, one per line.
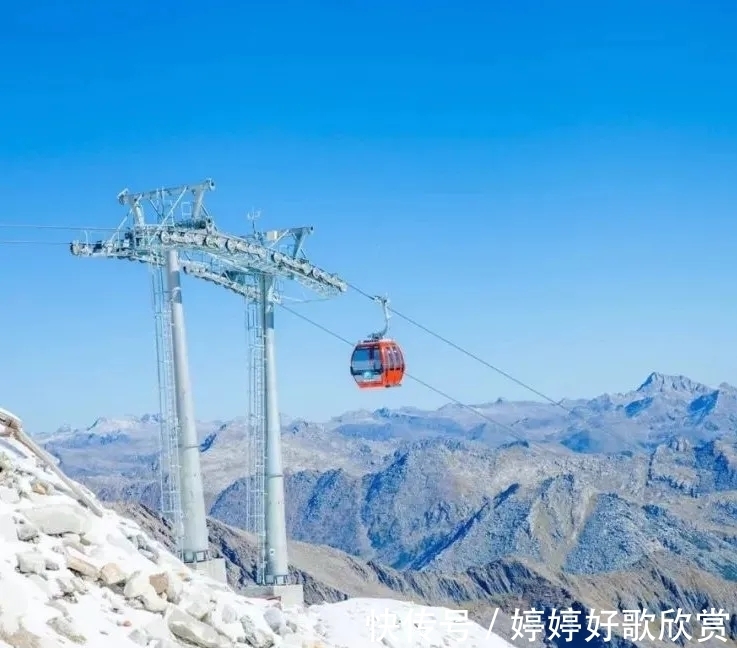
column 260, row 262
column 182, row 497
column 252, row 266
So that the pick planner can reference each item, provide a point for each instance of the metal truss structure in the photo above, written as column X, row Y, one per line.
column 253, row 266
column 169, row 480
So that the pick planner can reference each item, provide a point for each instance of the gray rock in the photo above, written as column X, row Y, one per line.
column 174, row 588
column 138, row 636
column 197, row 605
column 137, row 585
column 31, row 563
column 59, row 519
column 152, row 602
column 24, row 487
column 189, row 629
column 27, row 532
column 255, row 636
column 275, row 618
column 79, row 585
column 229, row 615
column 158, row 629
column 66, row 584
column 67, row 629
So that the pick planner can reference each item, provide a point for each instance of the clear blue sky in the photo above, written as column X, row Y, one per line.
column 551, row 185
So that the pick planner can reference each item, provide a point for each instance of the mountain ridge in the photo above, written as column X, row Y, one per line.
column 452, row 418
column 588, row 492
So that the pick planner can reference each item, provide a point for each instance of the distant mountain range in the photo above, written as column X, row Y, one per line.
column 582, row 490
column 662, row 404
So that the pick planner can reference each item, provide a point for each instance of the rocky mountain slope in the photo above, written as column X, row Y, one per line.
column 422, row 491
column 448, row 505
column 437, row 493
column 661, row 408
column 70, row 577
column 492, row 592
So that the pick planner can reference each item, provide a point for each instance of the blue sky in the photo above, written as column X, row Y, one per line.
column 551, row 185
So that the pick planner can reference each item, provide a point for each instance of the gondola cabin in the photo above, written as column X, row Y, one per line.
column 377, row 363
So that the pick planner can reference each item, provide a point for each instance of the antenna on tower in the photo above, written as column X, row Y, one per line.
column 253, row 216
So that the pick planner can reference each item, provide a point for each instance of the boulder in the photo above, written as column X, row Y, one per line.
column 197, row 605
column 30, row 562
column 152, row 602
column 66, row 629
column 138, row 585
column 59, row 519
column 189, row 629
column 81, row 564
column 160, row 582
column 258, row 633
column 111, row 574
column 27, row 532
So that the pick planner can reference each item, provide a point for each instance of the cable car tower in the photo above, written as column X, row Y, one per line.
column 254, row 266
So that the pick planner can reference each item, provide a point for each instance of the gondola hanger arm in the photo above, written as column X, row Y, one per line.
column 384, row 301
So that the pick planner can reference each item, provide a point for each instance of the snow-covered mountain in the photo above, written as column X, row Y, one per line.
column 68, row 576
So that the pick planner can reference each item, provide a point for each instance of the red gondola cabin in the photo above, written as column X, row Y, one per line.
column 377, row 363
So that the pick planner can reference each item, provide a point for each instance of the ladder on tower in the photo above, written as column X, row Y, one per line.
column 255, row 435
column 169, row 482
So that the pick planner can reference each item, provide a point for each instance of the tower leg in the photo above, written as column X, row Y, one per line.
column 195, row 542
column 277, row 566
column 171, row 504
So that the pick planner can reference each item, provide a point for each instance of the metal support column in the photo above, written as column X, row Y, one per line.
column 195, row 543
column 277, row 566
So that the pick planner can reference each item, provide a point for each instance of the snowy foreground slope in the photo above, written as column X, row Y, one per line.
column 69, row 577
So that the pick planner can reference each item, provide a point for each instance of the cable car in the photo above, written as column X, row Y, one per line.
column 378, row 361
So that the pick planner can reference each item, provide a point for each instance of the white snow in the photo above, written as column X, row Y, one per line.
column 53, row 589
